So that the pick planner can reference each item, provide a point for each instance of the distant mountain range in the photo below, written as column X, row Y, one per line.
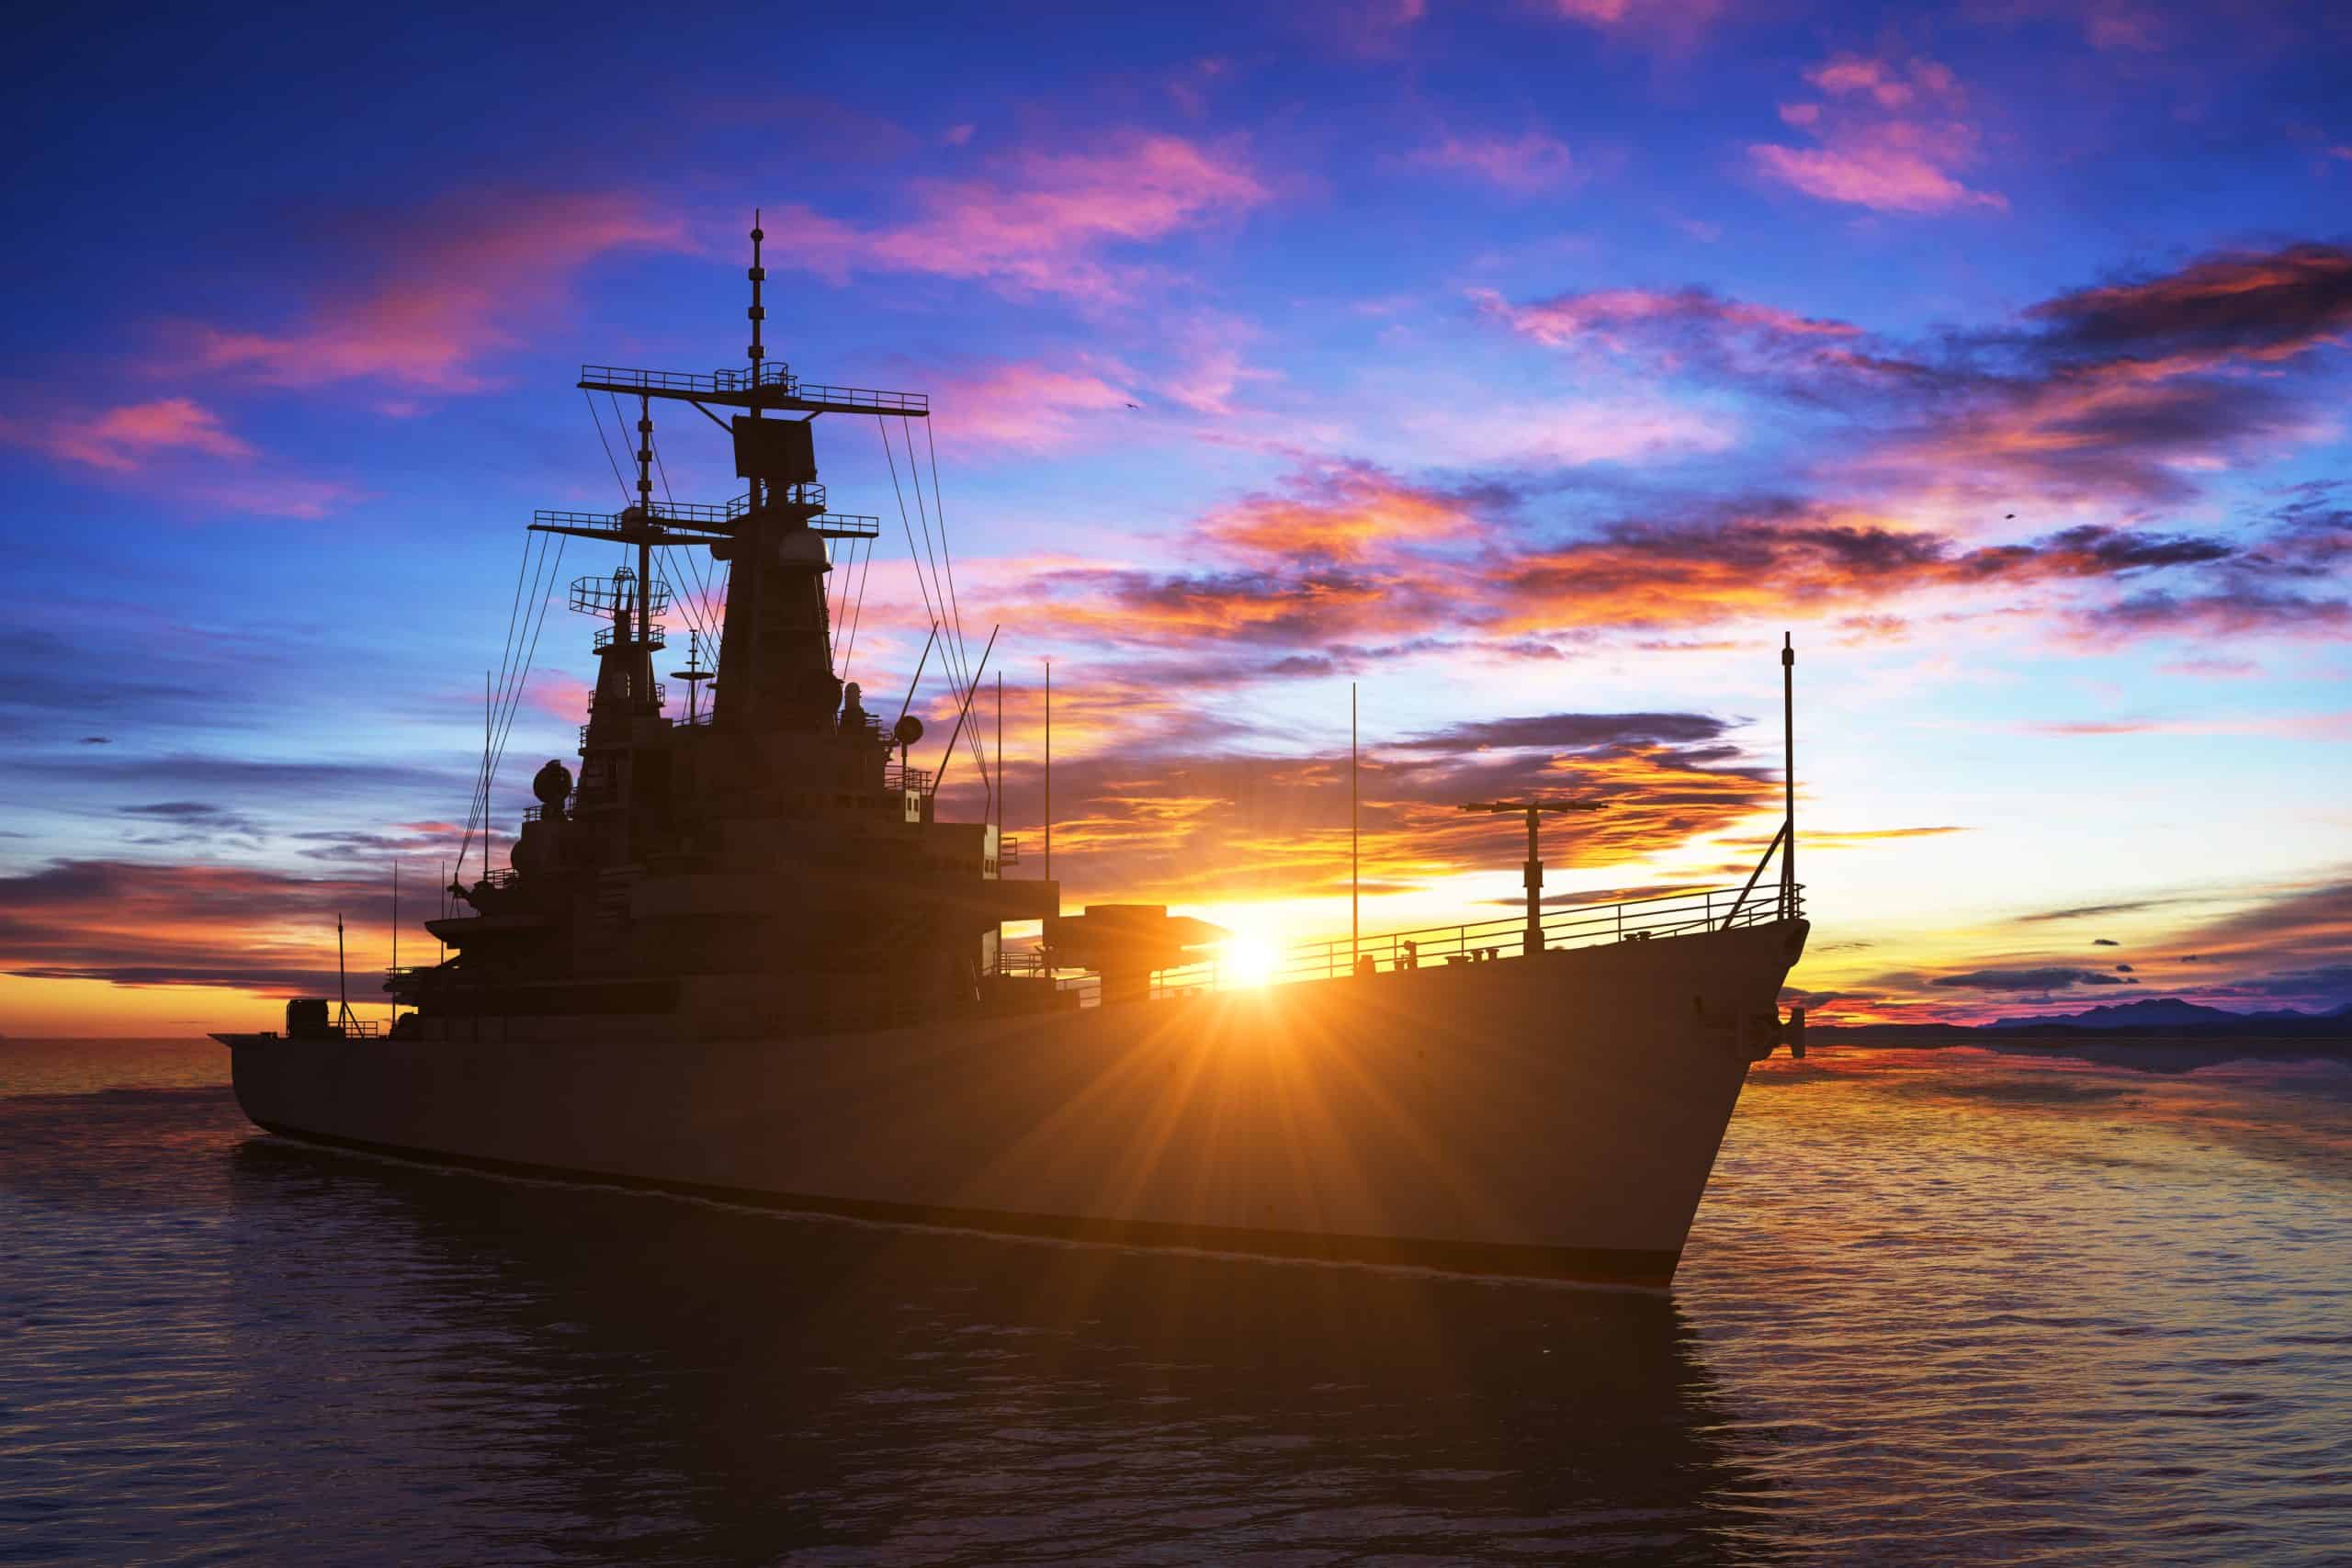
column 2162, row 1017
column 2167, row 1012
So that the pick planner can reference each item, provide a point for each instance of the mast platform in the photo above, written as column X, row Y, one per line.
column 771, row 386
column 682, row 522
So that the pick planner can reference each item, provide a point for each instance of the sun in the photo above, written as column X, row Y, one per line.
column 1247, row 959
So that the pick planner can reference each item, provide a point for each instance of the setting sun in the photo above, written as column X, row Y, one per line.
column 1249, row 960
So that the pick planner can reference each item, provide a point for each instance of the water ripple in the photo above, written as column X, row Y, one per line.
column 1939, row 1306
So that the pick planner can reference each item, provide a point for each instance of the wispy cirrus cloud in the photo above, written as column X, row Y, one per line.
column 2039, row 980
column 2124, row 391
column 2267, row 946
column 1351, row 552
column 1526, row 165
column 2255, row 306
column 1043, row 223
column 1670, row 329
column 1189, row 820
column 122, row 439
column 1027, row 406
column 178, row 450
column 1892, row 137
column 426, row 296
column 1673, row 24
column 161, row 924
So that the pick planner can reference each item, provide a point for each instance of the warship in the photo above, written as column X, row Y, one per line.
column 744, row 955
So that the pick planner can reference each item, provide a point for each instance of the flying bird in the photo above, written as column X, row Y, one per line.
column 1134, row 405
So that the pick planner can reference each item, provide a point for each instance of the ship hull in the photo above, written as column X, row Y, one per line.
column 1552, row 1118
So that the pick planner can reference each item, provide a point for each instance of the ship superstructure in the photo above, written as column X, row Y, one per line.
column 768, row 862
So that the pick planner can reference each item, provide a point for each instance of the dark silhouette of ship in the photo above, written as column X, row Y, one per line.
column 743, row 955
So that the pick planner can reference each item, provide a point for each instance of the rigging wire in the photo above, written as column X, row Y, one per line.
column 587, row 398
column 939, row 506
column 935, row 607
column 857, row 612
column 509, row 697
column 702, row 617
column 477, row 810
column 959, row 660
column 914, row 558
column 523, row 676
column 838, row 616
column 945, row 580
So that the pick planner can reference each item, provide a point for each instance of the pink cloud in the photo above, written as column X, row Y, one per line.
column 559, row 694
column 1608, row 314
column 180, row 452
column 1372, row 29
column 1042, row 223
column 1889, row 179
column 1525, row 164
column 1024, row 404
column 446, row 290
column 121, row 439
column 270, row 495
column 1567, row 431
column 1211, row 367
column 1612, row 15
column 1891, row 138
column 2115, row 25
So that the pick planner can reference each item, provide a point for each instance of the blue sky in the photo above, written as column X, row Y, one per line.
column 1515, row 362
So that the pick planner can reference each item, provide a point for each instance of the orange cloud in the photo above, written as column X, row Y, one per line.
column 1338, row 511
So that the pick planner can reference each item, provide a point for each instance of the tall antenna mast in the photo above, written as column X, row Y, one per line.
column 1789, row 776
column 757, row 314
column 1049, row 769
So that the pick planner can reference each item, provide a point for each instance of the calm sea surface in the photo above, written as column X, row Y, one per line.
column 1939, row 1306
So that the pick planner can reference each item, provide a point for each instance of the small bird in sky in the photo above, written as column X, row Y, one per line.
column 2010, row 518
column 1134, row 405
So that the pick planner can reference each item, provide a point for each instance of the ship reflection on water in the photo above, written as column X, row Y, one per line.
column 676, row 1381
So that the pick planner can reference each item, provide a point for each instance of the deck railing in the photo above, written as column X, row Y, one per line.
column 1686, row 912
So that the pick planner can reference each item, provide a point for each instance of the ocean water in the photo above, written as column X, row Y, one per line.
column 1940, row 1306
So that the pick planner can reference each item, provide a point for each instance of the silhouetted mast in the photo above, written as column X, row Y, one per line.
column 758, row 313
column 1533, row 872
column 1789, row 774
column 1049, row 769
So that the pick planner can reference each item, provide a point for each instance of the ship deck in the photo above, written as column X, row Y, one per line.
column 1683, row 912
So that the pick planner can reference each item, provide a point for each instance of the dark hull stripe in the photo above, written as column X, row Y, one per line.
column 1580, row 1265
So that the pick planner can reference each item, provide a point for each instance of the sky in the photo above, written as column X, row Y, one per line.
column 1529, row 369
